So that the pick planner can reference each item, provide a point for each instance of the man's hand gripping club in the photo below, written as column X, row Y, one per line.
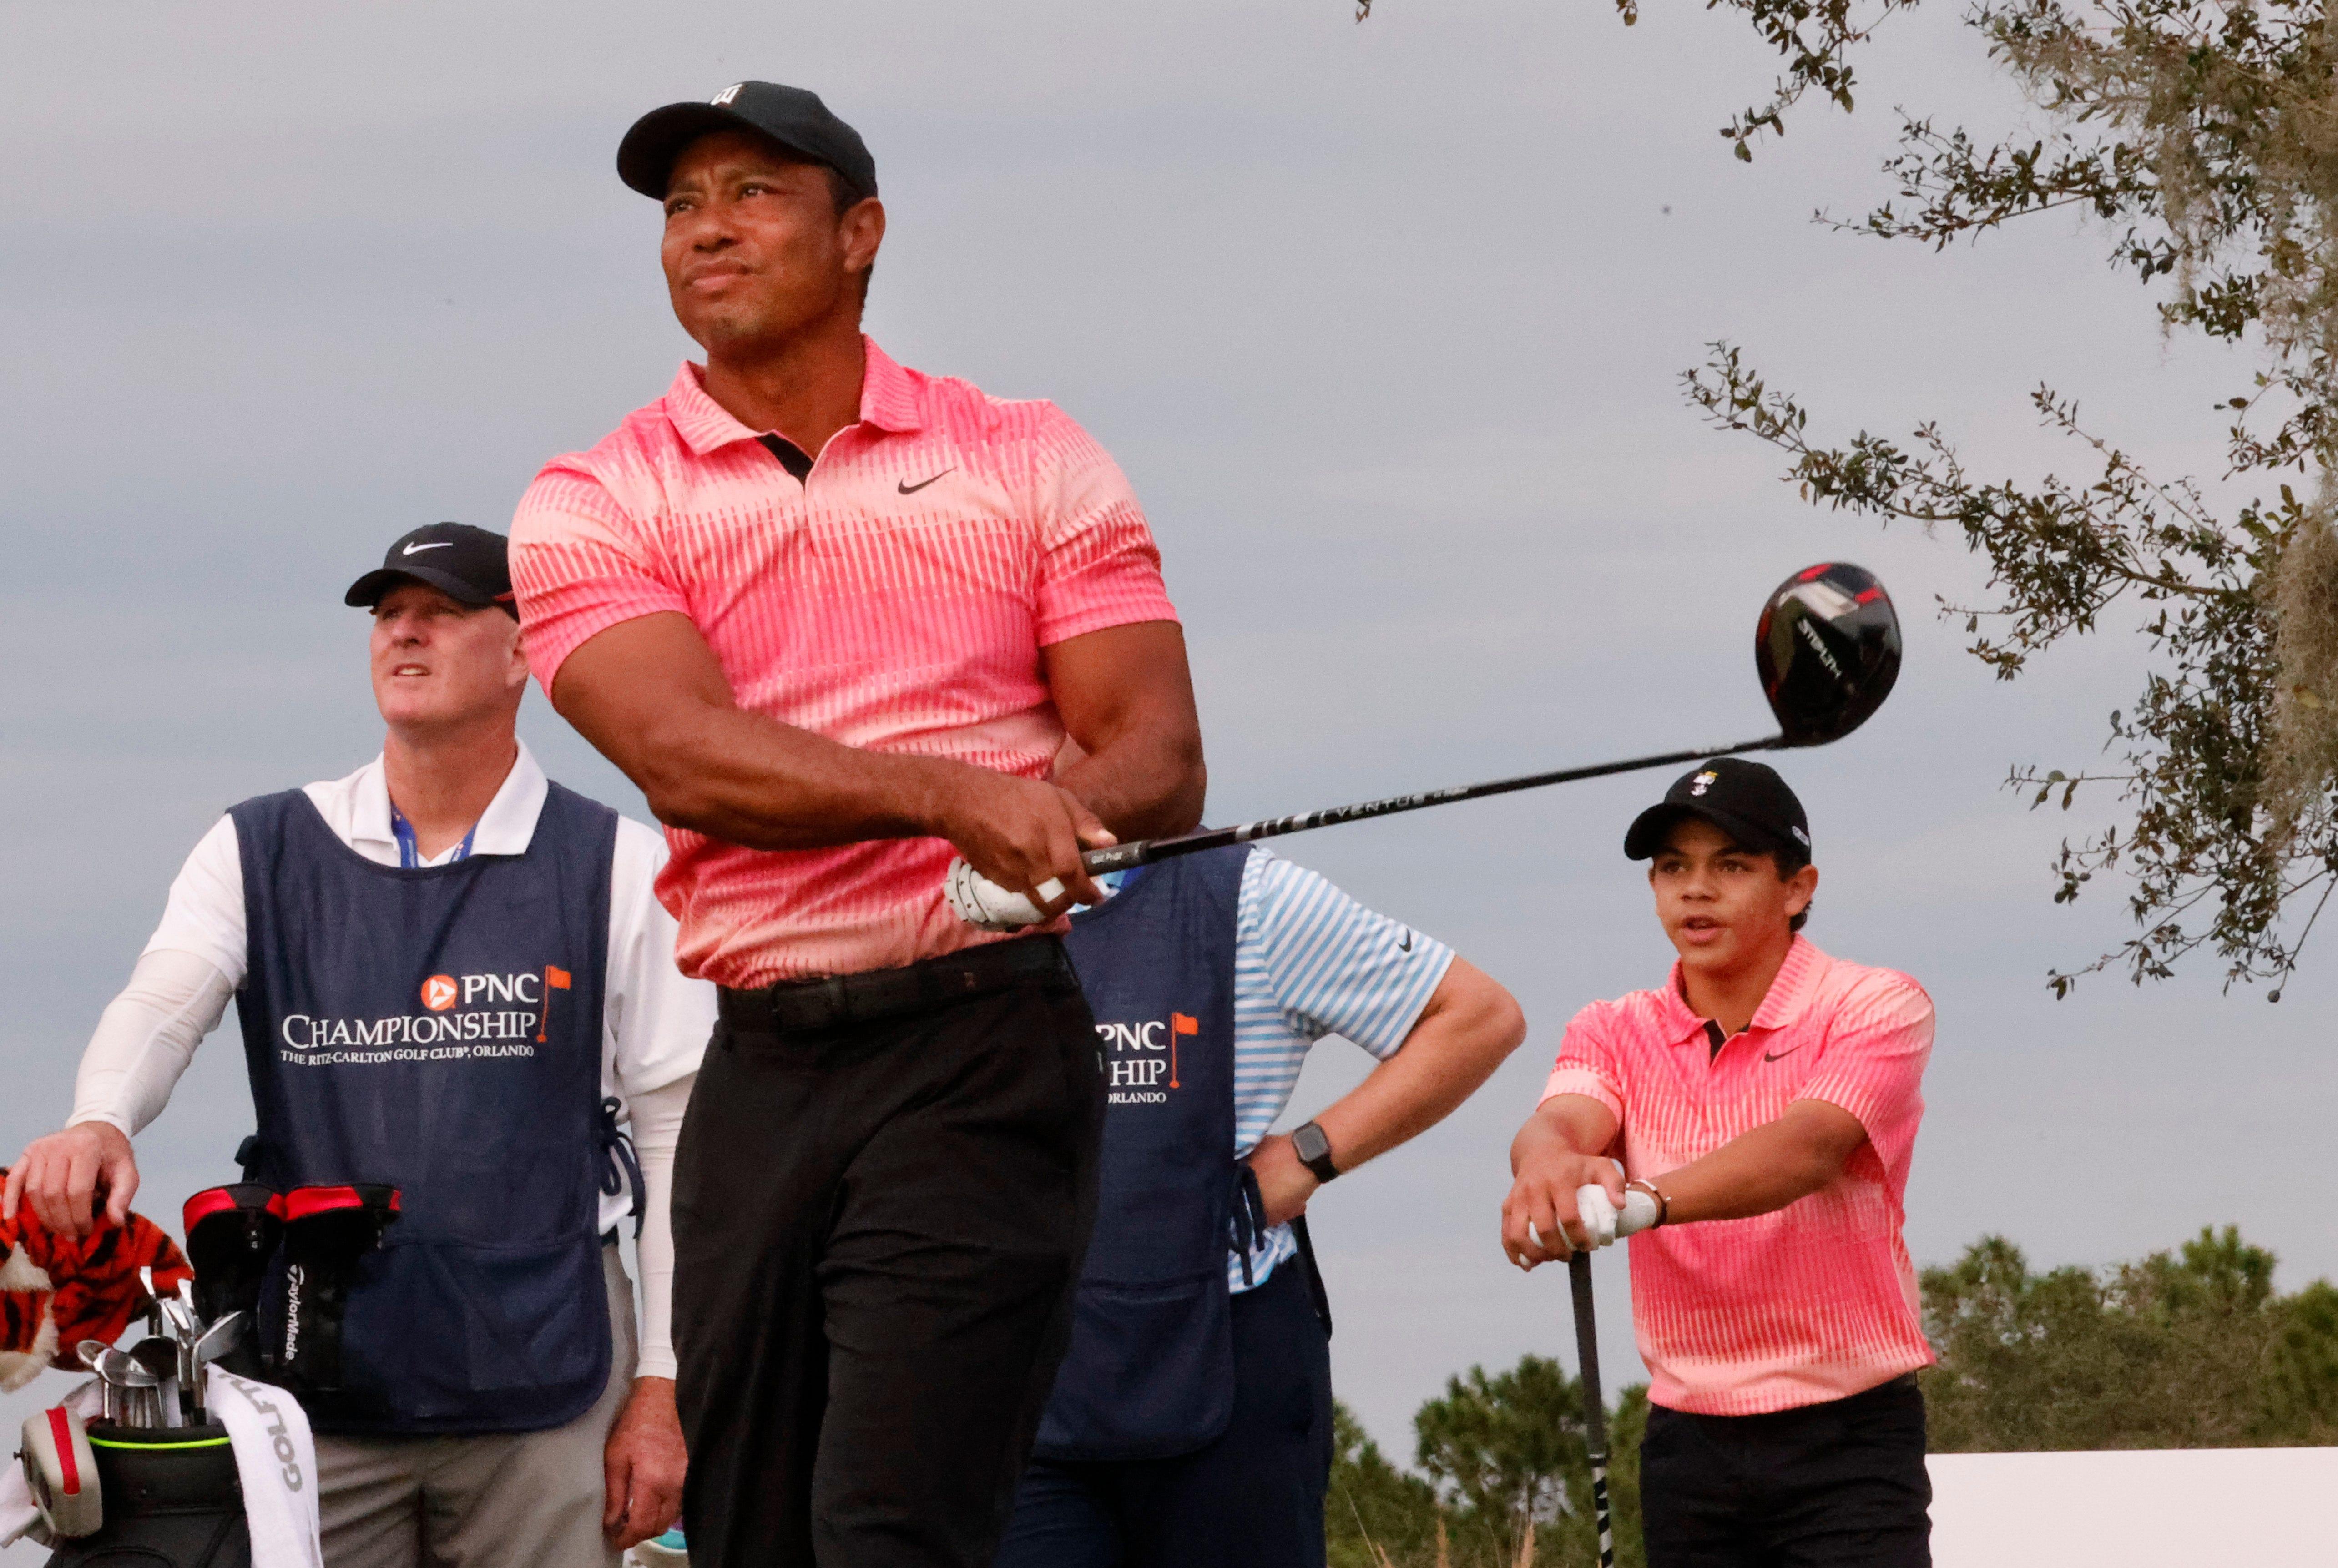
column 1018, row 860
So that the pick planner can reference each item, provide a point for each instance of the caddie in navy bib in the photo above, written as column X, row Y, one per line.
column 1150, row 1373
column 439, row 1030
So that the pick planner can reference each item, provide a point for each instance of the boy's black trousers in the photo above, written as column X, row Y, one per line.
column 878, row 1228
column 1837, row 1485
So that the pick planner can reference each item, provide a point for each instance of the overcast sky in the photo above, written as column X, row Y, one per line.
column 1385, row 323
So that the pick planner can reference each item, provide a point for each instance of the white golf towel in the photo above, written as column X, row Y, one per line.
column 18, row 1513
column 276, row 1458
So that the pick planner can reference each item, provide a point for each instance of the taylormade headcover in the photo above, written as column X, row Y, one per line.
column 327, row 1230
column 231, row 1233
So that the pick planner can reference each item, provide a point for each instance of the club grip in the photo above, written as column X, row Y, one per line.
column 1587, row 1355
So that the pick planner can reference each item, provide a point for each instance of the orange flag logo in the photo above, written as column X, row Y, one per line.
column 1179, row 1023
column 555, row 978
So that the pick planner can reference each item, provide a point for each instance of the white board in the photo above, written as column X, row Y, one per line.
column 2151, row 1508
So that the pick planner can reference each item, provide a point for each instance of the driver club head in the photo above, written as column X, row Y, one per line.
column 1828, row 651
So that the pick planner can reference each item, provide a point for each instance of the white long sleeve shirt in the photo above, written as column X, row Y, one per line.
column 654, row 1023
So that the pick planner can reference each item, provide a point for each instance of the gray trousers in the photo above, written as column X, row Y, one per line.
column 505, row 1500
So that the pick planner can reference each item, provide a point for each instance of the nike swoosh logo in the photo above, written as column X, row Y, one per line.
column 1782, row 1056
column 442, row 544
column 1404, row 946
column 906, row 488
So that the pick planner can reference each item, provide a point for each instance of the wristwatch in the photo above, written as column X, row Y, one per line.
column 1314, row 1150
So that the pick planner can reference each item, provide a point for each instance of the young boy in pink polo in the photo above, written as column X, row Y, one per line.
column 1764, row 1102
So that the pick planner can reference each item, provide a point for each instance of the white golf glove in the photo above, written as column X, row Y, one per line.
column 987, row 907
column 1603, row 1222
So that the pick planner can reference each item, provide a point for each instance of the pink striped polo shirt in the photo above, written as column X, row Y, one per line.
column 896, row 598
column 1814, row 1301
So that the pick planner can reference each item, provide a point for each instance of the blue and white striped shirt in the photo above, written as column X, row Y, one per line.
column 1309, row 961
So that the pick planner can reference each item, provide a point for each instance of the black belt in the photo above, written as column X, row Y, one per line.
column 883, row 993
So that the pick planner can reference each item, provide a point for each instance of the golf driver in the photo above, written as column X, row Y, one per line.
column 1595, row 1408
column 1827, row 649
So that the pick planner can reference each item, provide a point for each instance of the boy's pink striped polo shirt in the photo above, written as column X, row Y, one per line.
column 896, row 598
column 1818, row 1300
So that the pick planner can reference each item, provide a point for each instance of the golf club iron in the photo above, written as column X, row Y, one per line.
column 1827, row 649
column 93, row 1356
column 210, row 1345
column 158, row 1356
column 140, row 1406
column 1594, row 1407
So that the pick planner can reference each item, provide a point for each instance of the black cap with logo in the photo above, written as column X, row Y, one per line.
column 794, row 118
column 469, row 565
column 1746, row 800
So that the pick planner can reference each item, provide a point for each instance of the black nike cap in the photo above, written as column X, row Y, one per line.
column 1746, row 800
column 794, row 118
column 469, row 565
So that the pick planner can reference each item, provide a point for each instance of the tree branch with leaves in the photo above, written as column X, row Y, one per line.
column 2206, row 137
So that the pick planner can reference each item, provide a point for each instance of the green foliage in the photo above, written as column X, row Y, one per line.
column 2190, row 1349
column 1374, row 1514
column 1504, row 1459
column 2204, row 136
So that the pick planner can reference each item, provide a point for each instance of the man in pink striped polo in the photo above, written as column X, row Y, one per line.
column 1763, row 1104
column 841, row 622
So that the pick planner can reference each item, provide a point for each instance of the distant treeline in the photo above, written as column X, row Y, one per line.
column 2184, row 1349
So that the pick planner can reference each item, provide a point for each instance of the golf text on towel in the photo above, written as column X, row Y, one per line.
column 1141, row 1059
column 450, row 1027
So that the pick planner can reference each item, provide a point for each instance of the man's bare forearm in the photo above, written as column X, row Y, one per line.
column 752, row 780
column 651, row 697
column 1147, row 784
column 1127, row 701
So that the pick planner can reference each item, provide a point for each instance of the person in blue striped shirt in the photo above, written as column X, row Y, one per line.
column 1190, row 1426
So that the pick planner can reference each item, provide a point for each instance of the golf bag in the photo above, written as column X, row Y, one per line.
column 170, row 1499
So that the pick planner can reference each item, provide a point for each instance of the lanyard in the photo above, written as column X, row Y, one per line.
column 409, row 853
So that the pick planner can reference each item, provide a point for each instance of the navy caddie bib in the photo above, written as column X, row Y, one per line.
column 1150, row 1371
column 440, row 1029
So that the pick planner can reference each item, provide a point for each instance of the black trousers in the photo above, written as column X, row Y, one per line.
column 878, row 1228
column 1252, row 1499
column 1838, row 1485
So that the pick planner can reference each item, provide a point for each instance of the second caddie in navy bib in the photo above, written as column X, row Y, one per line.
column 1150, row 1370
column 439, row 1030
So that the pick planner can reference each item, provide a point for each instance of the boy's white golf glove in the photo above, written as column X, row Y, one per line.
column 1603, row 1222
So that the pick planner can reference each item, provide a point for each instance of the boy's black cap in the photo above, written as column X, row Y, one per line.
column 794, row 118
column 1746, row 800
column 468, row 565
